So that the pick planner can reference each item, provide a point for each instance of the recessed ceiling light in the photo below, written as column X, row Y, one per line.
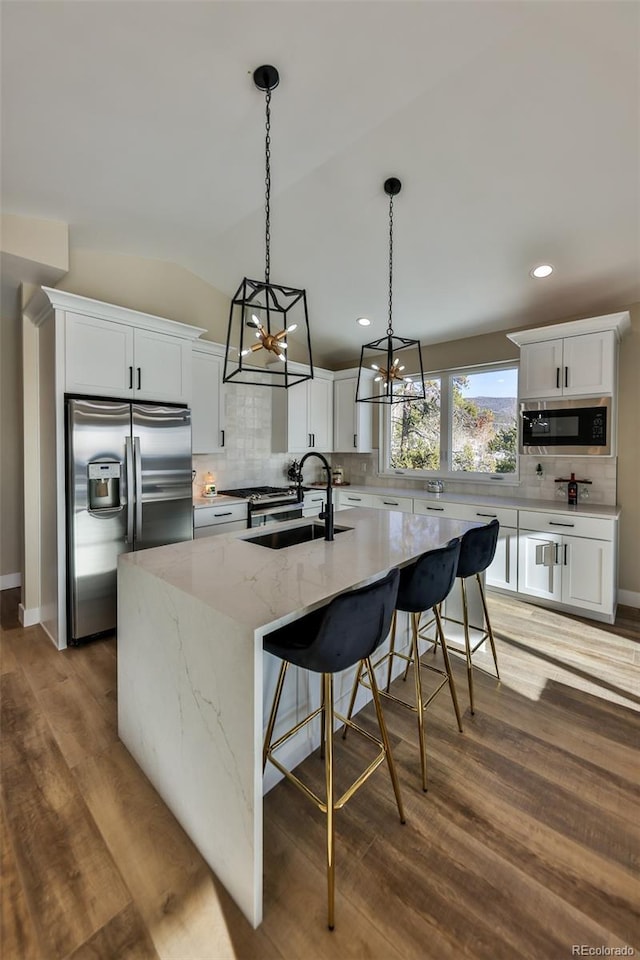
column 544, row 270
column 363, row 321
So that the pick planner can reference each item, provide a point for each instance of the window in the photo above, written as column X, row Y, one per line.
column 467, row 424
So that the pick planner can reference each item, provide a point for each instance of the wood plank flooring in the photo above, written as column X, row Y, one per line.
column 526, row 843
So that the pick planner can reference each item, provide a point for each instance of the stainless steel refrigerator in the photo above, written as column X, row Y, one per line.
column 128, row 488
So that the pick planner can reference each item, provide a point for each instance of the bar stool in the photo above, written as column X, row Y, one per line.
column 477, row 550
column 423, row 586
column 348, row 630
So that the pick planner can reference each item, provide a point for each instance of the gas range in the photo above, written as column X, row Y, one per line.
column 264, row 496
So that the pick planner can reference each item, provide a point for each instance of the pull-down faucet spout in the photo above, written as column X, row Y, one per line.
column 327, row 513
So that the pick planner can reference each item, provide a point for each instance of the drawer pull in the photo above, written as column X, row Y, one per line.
column 315, row 500
column 227, row 514
column 494, row 515
column 359, row 499
column 390, row 503
column 436, row 508
column 556, row 523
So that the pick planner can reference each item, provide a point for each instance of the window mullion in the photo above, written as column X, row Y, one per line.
column 445, row 423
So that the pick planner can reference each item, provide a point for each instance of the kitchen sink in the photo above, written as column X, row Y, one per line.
column 278, row 539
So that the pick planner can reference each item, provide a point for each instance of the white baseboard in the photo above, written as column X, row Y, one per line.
column 10, row 580
column 28, row 618
column 630, row 598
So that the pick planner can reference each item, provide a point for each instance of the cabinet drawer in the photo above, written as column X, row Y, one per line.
column 567, row 523
column 215, row 529
column 433, row 508
column 224, row 513
column 388, row 502
column 505, row 516
column 354, row 500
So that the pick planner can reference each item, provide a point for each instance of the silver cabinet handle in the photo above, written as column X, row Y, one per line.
column 493, row 515
column 128, row 459
column 556, row 523
column 138, row 462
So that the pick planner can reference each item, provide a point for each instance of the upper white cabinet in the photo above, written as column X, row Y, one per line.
column 352, row 422
column 572, row 367
column 207, row 398
column 302, row 416
column 115, row 352
column 576, row 359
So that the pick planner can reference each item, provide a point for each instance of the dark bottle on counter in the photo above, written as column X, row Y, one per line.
column 572, row 491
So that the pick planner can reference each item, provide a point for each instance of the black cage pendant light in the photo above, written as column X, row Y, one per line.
column 267, row 318
column 390, row 385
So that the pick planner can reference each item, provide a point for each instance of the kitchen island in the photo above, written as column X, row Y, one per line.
column 191, row 668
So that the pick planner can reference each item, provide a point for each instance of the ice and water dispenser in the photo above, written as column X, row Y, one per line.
column 104, row 485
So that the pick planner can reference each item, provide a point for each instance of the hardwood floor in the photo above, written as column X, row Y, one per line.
column 526, row 843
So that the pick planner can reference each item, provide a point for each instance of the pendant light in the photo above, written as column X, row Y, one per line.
column 264, row 316
column 381, row 355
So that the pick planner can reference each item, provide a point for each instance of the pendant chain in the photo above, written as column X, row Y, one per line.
column 390, row 328
column 267, row 182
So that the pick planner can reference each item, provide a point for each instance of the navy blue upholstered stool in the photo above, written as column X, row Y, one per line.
column 477, row 550
column 348, row 630
column 423, row 586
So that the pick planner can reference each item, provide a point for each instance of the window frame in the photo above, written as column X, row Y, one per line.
column 446, row 431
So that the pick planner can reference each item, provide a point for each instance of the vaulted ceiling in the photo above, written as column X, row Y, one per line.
column 514, row 128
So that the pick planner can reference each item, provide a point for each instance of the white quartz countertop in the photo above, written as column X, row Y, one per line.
column 263, row 588
column 585, row 509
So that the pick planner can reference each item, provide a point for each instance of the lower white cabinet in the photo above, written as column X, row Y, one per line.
column 576, row 571
column 313, row 502
column 224, row 518
column 346, row 500
column 503, row 571
column 387, row 502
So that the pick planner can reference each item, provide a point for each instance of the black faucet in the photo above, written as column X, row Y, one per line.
column 327, row 513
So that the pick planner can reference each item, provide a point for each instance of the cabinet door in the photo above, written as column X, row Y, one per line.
column 297, row 427
column 320, row 394
column 503, row 571
column 541, row 373
column 587, row 574
column 589, row 364
column 207, row 433
column 540, row 565
column 344, row 416
column 162, row 367
column 98, row 357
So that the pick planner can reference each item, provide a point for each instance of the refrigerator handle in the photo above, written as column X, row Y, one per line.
column 128, row 456
column 138, row 462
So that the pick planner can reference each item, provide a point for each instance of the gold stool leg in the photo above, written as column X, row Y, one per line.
column 327, row 686
column 419, row 704
column 488, row 623
column 467, row 642
column 322, row 723
column 392, row 647
column 352, row 701
column 385, row 739
column 447, row 666
column 274, row 710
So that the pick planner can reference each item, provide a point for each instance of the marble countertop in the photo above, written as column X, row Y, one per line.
column 199, row 501
column 263, row 588
column 586, row 509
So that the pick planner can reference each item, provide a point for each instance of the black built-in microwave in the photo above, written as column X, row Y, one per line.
column 566, row 427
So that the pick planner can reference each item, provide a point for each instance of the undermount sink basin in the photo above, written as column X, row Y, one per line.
column 278, row 539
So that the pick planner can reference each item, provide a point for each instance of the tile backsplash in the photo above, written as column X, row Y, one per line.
column 247, row 458
column 602, row 471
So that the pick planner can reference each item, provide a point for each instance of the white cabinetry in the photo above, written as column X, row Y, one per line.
column 135, row 356
column 207, row 398
column 386, row 501
column 353, row 422
column 313, row 502
column 222, row 518
column 571, row 367
column 576, row 359
column 345, row 500
column 570, row 560
column 302, row 416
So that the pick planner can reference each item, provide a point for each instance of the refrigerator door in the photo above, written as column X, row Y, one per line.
column 97, row 432
column 162, row 453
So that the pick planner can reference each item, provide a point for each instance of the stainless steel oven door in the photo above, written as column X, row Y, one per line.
column 260, row 516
